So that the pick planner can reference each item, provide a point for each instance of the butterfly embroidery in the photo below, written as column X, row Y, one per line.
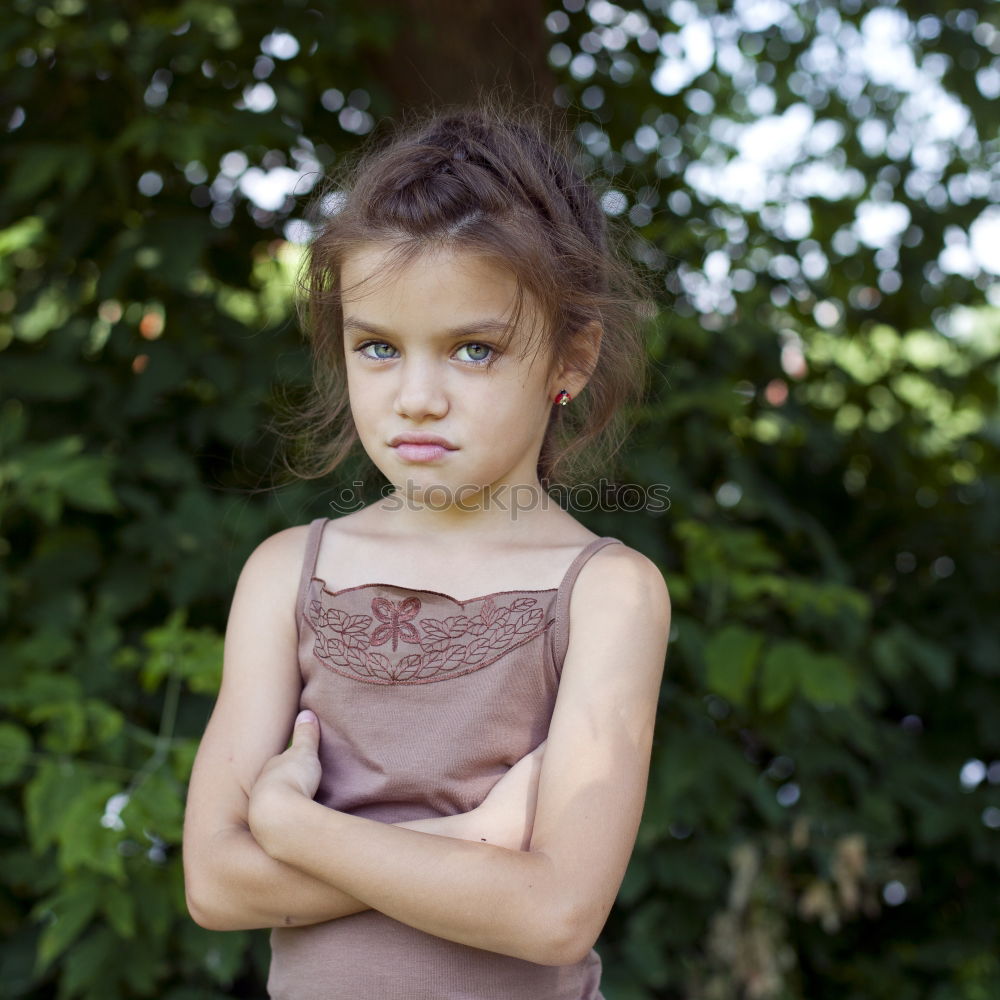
column 397, row 621
column 448, row 647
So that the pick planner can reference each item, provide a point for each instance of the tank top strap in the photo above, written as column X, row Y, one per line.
column 313, row 538
column 560, row 630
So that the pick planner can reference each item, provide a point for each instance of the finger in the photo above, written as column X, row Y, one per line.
column 306, row 731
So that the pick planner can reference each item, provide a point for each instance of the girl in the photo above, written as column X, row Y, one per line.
column 468, row 675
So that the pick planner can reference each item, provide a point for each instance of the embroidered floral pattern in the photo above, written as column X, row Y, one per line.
column 446, row 647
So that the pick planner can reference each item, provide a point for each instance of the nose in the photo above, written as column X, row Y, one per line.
column 421, row 391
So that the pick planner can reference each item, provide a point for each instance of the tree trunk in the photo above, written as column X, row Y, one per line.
column 449, row 51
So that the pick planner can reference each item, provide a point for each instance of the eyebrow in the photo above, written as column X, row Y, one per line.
column 352, row 324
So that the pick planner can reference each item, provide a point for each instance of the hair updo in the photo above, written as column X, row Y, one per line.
column 502, row 184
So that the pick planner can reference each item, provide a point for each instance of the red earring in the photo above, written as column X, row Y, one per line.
column 562, row 397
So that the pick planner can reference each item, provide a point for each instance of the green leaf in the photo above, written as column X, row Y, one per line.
column 65, row 804
column 780, row 672
column 53, row 784
column 15, row 750
column 36, row 166
column 158, row 895
column 49, row 475
column 38, row 688
column 157, row 807
column 900, row 648
column 91, row 963
column 83, row 840
column 731, row 656
column 66, row 914
column 194, row 655
column 828, row 679
column 13, row 425
column 935, row 660
column 48, row 312
column 889, row 653
column 120, row 909
column 22, row 234
column 104, row 722
column 65, row 725
column 77, row 170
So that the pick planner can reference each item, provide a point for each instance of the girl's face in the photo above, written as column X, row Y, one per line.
column 416, row 344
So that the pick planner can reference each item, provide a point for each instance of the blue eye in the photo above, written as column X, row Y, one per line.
column 362, row 348
column 479, row 347
column 481, row 353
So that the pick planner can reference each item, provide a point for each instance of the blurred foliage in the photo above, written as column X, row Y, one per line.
column 824, row 800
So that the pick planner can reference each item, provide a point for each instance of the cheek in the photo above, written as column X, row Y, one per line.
column 359, row 388
column 523, row 420
column 361, row 406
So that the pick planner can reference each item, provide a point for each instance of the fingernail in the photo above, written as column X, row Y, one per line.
column 306, row 715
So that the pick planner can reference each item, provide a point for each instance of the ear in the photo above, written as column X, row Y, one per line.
column 575, row 371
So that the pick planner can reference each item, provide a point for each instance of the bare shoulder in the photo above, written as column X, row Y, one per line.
column 283, row 547
column 268, row 581
column 625, row 579
column 279, row 556
column 619, row 628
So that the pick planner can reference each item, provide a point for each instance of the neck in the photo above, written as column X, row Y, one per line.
column 493, row 511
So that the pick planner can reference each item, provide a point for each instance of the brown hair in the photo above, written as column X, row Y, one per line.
column 499, row 183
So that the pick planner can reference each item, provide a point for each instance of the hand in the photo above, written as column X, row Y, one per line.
column 293, row 774
column 508, row 811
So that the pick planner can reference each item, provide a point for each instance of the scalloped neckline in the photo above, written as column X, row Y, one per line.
column 440, row 593
column 437, row 593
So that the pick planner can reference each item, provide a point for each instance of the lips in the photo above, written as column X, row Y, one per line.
column 420, row 447
column 422, row 439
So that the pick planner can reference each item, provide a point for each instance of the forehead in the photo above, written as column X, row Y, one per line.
column 439, row 288
column 378, row 268
column 431, row 284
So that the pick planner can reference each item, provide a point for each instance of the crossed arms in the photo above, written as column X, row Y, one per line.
column 559, row 827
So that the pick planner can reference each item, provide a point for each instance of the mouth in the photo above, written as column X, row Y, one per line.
column 421, row 452
column 421, row 447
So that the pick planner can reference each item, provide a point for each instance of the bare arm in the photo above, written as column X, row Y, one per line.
column 230, row 882
column 547, row 904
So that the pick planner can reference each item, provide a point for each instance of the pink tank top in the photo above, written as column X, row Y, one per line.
column 424, row 702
